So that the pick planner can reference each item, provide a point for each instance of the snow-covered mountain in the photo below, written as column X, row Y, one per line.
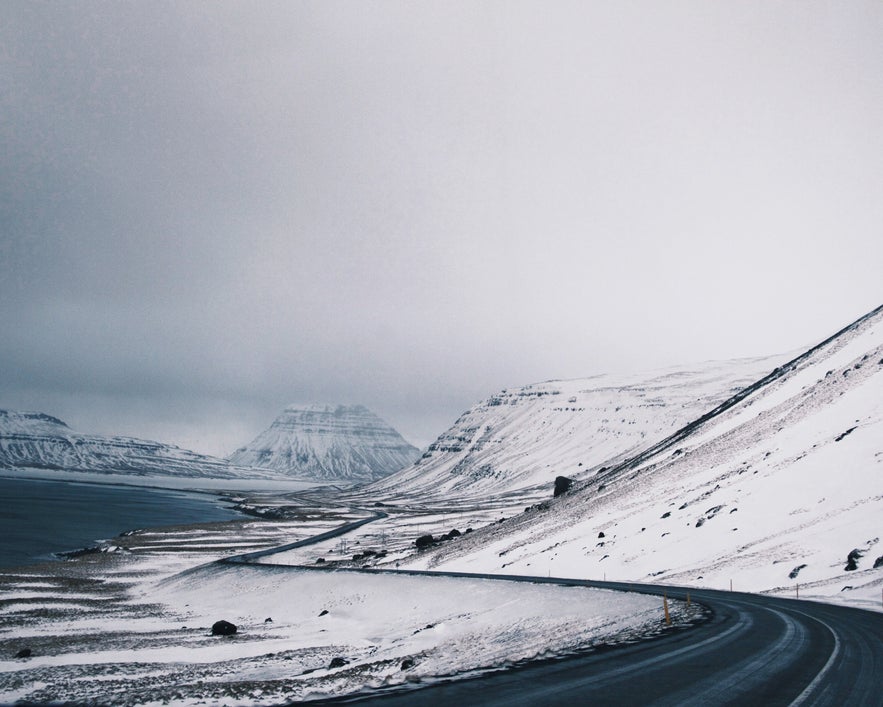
column 779, row 485
column 37, row 440
column 528, row 436
column 328, row 443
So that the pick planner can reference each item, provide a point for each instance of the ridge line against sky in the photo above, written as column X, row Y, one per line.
column 208, row 211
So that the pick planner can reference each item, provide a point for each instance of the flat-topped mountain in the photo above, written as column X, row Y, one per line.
column 524, row 437
column 779, row 484
column 328, row 443
column 39, row 441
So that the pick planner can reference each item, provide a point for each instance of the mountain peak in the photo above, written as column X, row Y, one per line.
column 336, row 443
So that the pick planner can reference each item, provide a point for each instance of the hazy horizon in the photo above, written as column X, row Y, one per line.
column 211, row 211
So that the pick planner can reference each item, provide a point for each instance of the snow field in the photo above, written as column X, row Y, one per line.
column 373, row 621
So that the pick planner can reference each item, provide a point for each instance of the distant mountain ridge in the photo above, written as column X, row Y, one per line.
column 328, row 443
column 778, row 485
column 39, row 441
column 524, row 437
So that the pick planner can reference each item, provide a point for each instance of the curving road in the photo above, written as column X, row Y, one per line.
column 754, row 650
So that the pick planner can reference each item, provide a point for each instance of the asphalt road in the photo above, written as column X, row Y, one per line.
column 754, row 650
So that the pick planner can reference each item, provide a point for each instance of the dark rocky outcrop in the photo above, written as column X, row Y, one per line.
column 24, row 653
column 424, row 541
column 337, row 662
column 324, row 612
column 852, row 560
column 407, row 663
column 878, row 562
column 223, row 628
column 562, row 485
column 796, row 571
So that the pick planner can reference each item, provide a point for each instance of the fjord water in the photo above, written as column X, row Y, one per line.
column 38, row 518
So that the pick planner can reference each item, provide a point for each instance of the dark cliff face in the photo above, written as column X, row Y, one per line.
column 37, row 440
column 328, row 443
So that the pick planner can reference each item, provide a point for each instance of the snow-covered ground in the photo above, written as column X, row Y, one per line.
column 152, row 643
column 525, row 437
column 775, row 492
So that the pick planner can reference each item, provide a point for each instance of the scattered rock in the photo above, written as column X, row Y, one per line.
column 700, row 522
column 601, row 534
column 337, row 662
column 424, row 541
column 223, row 628
column 852, row 560
column 453, row 534
column 666, row 514
column 320, row 561
column 268, row 620
column 24, row 653
column 796, row 571
column 562, row 485
column 842, row 435
column 323, row 612
column 407, row 663
column 468, row 530
column 878, row 562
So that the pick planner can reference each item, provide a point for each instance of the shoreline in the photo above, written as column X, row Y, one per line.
column 28, row 544
column 212, row 486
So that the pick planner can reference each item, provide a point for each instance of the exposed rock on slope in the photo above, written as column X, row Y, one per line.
column 37, row 440
column 528, row 436
column 320, row 442
column 785, row 477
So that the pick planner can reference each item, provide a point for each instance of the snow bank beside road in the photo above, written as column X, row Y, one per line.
column 376, row 622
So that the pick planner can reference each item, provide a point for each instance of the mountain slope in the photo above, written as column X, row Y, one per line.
column 37, row 440
column 781, row 484
column 525, row 437
column 336, row 444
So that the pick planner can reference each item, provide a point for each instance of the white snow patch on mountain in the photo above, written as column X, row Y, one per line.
column 527, row 436
column 783, row 487
column 330, row 443
column 34, row 440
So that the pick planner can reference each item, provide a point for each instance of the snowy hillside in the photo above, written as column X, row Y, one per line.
column 37, row 440
column 320, row 442
column 781, row 485
column 525, row 437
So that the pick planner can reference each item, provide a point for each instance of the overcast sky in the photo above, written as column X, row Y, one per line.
column 209, row 210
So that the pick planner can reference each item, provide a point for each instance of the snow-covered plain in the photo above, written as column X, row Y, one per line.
column 151, row 644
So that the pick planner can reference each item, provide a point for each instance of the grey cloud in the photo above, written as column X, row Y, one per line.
column 215, row 209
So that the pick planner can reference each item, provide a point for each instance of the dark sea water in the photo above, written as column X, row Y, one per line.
column 39, row 518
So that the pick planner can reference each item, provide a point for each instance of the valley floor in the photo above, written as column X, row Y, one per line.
column 132, row 624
